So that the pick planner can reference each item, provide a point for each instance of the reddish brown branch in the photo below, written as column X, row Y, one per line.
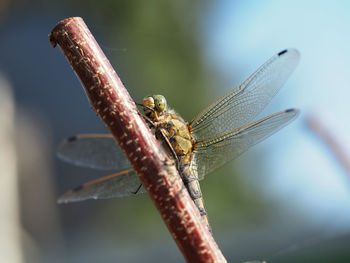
column 325, row 135
column 111, row 101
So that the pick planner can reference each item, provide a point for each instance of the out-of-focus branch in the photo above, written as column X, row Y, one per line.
column 329, row 139
column 10, row 225
column 111, row 101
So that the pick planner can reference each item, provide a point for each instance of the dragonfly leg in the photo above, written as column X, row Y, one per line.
column 168, row 144
column 149, row 121
column 164, row 137
column 138, row 189
column 145, row 106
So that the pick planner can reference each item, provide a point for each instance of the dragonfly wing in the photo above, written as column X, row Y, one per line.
column 216, row 151
column 243, row 103
column 121, row 184
column 98, row 151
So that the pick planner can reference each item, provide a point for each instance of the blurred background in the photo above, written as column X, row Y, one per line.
column 285, row 200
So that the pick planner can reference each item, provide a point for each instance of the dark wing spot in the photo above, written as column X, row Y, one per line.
column 290, row 110
column 72, row 139
column 76, row 189
column 282, row 52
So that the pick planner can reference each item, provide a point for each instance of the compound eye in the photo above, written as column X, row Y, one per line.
column 160, row 103
column 148, row 103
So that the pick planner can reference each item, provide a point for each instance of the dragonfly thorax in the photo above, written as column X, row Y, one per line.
column 176, row 131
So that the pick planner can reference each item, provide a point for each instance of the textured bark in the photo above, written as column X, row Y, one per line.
column 111, row 101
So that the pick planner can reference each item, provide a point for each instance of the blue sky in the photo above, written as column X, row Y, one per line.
column 240, row 37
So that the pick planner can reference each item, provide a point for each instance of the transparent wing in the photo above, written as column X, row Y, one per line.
column 98, row 151
column 216, row 151
column 243, row 103
column 121, row 184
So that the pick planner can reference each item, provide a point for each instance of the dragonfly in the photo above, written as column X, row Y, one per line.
column 219, row 133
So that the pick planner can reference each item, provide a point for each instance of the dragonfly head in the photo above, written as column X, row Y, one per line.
column 154, row 104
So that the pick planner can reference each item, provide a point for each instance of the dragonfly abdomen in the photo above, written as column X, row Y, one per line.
column 191, row 182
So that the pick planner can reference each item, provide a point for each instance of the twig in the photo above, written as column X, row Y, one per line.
column 111, row 101
column 325, row 135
